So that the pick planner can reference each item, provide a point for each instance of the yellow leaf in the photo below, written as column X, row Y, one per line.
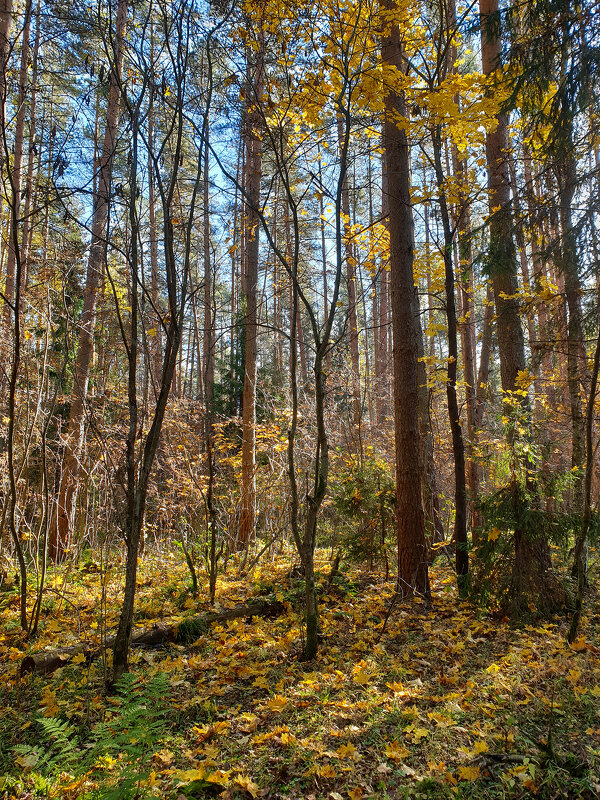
column 277, row 703
column 326, row 771
column 419, row 733
column 79, row 659
column 574, row 675
column 493, row 534
column 51, row 708
column 348, row 751
column 480, row 747
column 578, row 644
column 356, row 793
column 469, row 773
column 436, row 766
column 288, row 738
column 396, row 751
column 219, row 777
column 361, row 677
column 247, row 784
column 396, row 687
column 190, row 775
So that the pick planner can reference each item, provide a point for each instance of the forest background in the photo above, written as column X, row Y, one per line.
column 300, row 314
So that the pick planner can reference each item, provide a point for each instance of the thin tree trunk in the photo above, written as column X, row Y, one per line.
column 156, row 345
column 31, row 158
column 6, row 14
column 458, row 448
column 580, row 552
column 467, row 335
column 254, row 175
column 208, row 344
column 60, row 531
column 17, row 164
column 383, row 325
column 352, row 312
column 566, row 173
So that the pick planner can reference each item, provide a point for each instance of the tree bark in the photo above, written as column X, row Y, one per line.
column 531, row 578
column 253, row 181
column 350, row 256
column 412, row 552
column 566, row 174
column 458, row 447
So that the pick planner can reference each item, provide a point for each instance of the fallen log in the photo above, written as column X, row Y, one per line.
column 184, row 632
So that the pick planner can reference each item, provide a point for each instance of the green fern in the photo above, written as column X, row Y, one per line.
column 131, row 734
column 118, row 754
column 60, row 751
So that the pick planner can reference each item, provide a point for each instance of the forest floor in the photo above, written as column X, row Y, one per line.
column 445, row 701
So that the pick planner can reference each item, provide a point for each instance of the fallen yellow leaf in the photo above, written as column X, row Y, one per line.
column 469, row 773
column 277, row 703
column 247, row 784
column 396, row 751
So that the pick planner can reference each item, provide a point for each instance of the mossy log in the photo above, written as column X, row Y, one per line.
column 183, row 632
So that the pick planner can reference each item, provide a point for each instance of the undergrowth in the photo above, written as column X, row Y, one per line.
column 446, row 701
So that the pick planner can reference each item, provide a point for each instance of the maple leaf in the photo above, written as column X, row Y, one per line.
column 578, row 644
column 418, row 734
column 361, row 676
column 469, row 773
column 219, row 777
column 396, row 687
column 348, row 751
column 190, row 775
column 396, row 751
column 49, row 703
column 356, row 793
column 277, row 703
column 247, row 784
column 493, row 534
column 326, row 771
column 436, row 766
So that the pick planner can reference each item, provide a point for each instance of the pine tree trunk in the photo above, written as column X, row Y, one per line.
column 566, row 173
column 208, row 346
column 253, row 181
column 412, row 552
column 531, row 575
